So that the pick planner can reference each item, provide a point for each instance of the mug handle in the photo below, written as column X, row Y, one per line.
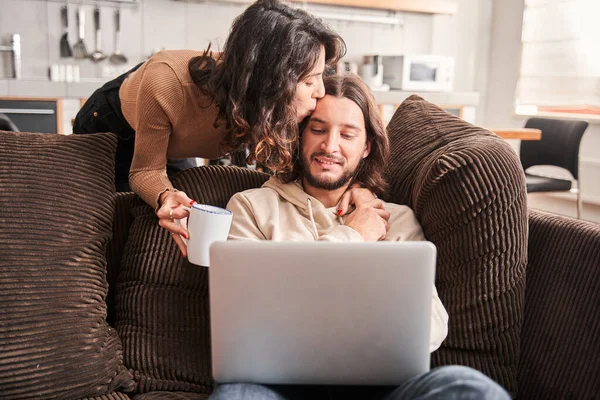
column 178, row 222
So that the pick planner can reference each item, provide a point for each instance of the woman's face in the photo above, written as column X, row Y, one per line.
column 310, row 89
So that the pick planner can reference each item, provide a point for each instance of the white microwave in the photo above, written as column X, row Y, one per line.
column 426, row 73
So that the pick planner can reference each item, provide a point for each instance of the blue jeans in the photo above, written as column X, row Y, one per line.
column 448, row 383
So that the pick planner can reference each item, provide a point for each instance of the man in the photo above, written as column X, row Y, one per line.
column 344, row 143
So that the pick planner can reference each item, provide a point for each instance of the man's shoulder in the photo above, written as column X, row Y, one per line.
column 398, row 209
column 257, row 194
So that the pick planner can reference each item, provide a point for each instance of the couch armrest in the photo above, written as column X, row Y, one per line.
column 560, row 350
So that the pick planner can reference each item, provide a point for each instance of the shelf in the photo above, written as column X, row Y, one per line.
column 416, row 6
column 104, row 3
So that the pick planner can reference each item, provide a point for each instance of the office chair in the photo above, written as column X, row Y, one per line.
column 6, row 124
column 559, row 147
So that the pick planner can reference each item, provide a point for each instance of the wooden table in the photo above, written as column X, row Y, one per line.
column 519, row 133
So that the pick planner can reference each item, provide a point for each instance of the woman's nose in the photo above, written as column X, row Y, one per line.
column 319, row 92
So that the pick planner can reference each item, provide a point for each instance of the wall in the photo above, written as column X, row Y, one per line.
column 504, row 62
column 175, row 24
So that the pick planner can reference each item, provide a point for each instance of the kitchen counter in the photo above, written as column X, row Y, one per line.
column 465, row 99
column 461, row 104
column 83, row 89
column 46, row 88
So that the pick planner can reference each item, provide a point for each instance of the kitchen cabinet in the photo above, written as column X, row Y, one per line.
column 43, row 115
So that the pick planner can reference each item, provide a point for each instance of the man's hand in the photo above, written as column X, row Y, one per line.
column 370, row 219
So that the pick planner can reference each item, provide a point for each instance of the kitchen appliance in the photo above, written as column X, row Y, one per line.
column 65, row 48
column 79, row 49
column 15, row 49
column 419, row 72
column 117, row 57
column 371, row 71
column 97, row 55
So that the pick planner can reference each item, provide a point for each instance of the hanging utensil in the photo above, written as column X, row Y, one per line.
column 117, row 57
column 79, row 49
column 97, row 55
column 65, row 47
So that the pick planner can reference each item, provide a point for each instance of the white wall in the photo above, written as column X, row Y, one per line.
column 178, row 24
column 505, row 52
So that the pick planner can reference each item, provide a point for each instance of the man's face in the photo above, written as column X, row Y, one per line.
column 334, row 143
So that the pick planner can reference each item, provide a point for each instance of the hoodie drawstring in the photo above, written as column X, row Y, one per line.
column 312, row 219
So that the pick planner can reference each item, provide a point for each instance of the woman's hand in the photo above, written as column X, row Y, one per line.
column 370, row 219
column 173, row 207
column 357, row 195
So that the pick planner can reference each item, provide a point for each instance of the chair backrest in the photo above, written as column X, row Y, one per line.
column 559, row 145
column 6, row 124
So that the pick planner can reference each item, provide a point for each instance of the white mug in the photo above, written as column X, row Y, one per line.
column 206, row 225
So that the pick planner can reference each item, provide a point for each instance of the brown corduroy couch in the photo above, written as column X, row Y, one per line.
column 522, row 287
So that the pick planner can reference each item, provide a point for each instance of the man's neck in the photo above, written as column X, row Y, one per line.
column 329, row 198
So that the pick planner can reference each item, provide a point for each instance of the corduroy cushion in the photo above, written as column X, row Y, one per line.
column 162, row 300
column 467, row 189
column 171, row 396
column 560, row 357
column 56, row 210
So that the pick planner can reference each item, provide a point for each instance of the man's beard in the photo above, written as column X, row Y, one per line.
column 325, row 183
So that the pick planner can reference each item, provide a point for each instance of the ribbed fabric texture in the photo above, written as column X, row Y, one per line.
column 171, row 396
column 560, row 356
column 112, row 396
column 467, row 189
column 114, row 251
column 56, row 210
column 162, row 300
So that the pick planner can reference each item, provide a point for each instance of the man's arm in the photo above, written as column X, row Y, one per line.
column 404, row 226
column 341, row 233
column 439, row 322
column 243, row 225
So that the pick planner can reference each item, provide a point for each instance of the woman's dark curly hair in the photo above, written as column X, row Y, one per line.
column 370, row 170
column 270, row 49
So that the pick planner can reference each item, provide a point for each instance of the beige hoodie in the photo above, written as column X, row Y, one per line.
column 285, row 212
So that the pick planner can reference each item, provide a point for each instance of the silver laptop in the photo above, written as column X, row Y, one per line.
column 320, row 313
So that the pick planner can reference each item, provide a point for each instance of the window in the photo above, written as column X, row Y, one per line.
column 560, row 61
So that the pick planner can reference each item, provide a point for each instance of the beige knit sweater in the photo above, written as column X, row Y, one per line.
column 171, row 117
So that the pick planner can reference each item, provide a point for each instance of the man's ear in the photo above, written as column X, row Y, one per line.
column 367, row 149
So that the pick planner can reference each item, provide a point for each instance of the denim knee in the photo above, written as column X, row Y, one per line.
column 243, row 391
column 454, row 372
column 465, row 380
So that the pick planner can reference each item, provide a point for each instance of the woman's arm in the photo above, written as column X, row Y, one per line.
column 159, row 102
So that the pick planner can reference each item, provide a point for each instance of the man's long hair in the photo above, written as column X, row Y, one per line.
column 270, row 49
column 370, row 171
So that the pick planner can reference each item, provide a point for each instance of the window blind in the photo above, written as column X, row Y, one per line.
column 560, row 61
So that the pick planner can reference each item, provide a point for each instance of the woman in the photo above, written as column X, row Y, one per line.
column 182, row 104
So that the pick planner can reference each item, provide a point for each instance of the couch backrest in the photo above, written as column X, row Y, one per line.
column 161, row 300
column 467, row 189
column 122, row 220
column 560, row 356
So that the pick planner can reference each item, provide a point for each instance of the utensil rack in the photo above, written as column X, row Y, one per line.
column 100, row 3
column 380, row 16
